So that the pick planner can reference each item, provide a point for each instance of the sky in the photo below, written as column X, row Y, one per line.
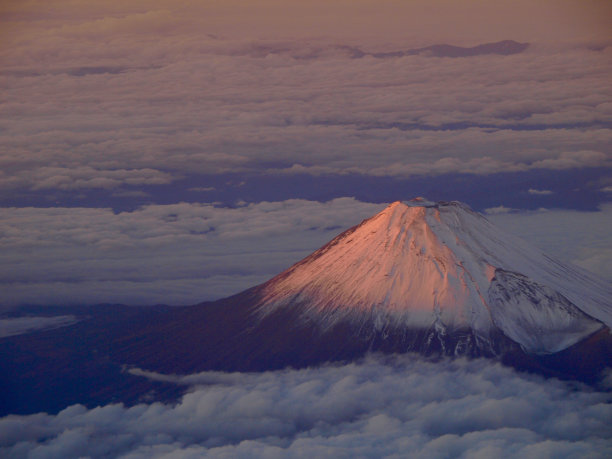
column 175, row 152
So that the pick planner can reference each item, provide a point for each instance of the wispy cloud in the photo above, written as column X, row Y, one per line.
column 21, row 325
column 500, row 210
column 540, row 192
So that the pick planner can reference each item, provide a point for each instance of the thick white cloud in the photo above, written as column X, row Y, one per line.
column 383, row 407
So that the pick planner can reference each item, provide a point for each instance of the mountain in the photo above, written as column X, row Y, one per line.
column 443, row 268
column 261, row 50
column 504, row 48
column 433, row 278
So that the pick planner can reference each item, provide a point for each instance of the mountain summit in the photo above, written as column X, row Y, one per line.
column 441, row 267
column 433, row 278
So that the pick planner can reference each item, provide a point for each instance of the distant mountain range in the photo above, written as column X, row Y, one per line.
column 504, row 48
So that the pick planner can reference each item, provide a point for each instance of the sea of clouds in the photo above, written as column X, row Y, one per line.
column 400, row 406
column 99, row 99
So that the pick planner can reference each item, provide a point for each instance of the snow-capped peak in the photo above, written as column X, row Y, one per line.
column 425, row 265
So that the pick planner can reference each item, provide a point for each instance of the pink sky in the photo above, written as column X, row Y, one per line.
column 465, row 21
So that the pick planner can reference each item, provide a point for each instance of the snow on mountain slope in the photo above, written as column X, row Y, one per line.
column 441, row 266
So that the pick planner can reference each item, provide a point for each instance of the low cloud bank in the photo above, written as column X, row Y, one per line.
column 20, row 325
column 399, row 406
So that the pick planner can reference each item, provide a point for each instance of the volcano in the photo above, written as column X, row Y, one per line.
column 444, row 269
column 434, row 278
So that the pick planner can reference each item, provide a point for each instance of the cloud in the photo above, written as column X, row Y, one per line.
column 568, row 160
column 539, row 192
column 381, row 407
column 130, row 194
column 177, row 254
column 88, row 178
column 93, row 100
column 20, row 325
column 582, row 238
column 500, row 210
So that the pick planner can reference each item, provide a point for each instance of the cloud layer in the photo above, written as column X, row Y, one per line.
column 177, row 254
column 379, row 408
column 102, row 98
